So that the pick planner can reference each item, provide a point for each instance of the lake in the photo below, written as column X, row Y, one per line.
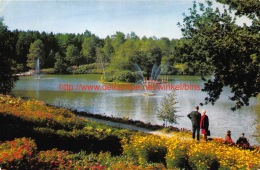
column 56, row 90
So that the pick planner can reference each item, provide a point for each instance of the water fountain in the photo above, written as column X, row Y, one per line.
column 37, row 69
column 149, row 84
column 138, row 74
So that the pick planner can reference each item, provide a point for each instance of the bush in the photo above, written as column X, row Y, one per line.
column 54, row 159
column 146, row 148
column 34, row 119
column 202, row 156
column 48, row 71
column 204, row 161
column 177, row 155
column 86, row 69
column 120, row 76
column 17, row 154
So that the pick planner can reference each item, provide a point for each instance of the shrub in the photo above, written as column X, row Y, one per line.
column 120, row 76
column 204, row 161
column 54, row 159
column 48, row 71
column 177, row 155
column 202, row 156
column 147, row 148
column 17, row 154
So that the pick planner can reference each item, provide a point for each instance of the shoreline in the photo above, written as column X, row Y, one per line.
column 147, row 126
column 127, row 121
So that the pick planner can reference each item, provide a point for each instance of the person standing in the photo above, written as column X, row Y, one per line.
column 204, row 124
column 195, row 117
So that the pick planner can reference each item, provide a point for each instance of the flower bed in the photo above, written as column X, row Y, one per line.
column 17, row 153
column 40, row 114
column 63, row 130
column 187, row 153
column 34, row 119
column 22, row 154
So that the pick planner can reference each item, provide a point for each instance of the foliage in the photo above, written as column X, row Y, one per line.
column 200, row 158
column 36, row 51
column 38, row 113
column 168, row 109
column 34, row 119
column 138, row 150
column 7, row 58
column 145, row 149
column 87, row 69
column 60, row 65
column 120, row 51
column 120, row 76
column 232, row 51
column 177, row 156
column 48, row 71
column 250, row 8
column 258, row 119
column 22, row 154
column 89, row 49
column 17, row 154
column 145, row 53
column 182, row 152
column 72, row 55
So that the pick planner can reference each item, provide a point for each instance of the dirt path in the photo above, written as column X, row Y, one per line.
column 130, row 127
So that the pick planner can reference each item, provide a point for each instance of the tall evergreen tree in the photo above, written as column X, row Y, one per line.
column 36, row 51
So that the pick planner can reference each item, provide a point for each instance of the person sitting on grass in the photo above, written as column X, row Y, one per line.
column 228, row 138
column 242, row 141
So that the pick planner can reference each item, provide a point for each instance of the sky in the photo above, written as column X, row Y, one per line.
column 148, row 18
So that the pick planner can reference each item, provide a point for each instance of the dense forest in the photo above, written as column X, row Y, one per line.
column 87, row 53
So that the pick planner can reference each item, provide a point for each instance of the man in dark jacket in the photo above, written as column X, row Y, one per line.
column 195, row 117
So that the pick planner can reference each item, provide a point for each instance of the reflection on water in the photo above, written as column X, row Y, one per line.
column 138, row 107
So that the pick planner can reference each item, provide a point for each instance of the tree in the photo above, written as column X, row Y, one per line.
column 120, row 68
column 231, row 50
column 133, row 36
column 181, row 67
column 168, row 109
column 250, row 8
column 108, row 49
column 72, row 55
column 185, row 61
column 100, row 60
column 36, row 51
column 50, row 47
column 25, row 39
column 60, row 65
column 7, row 56
column 118, row 39
column 89, row 48
column 149, row 54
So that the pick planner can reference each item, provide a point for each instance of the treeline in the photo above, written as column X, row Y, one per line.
column 83, row 53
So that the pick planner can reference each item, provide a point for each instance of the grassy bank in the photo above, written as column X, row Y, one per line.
column 37, row 136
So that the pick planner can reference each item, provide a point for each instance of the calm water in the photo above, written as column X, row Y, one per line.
column 138, row 107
